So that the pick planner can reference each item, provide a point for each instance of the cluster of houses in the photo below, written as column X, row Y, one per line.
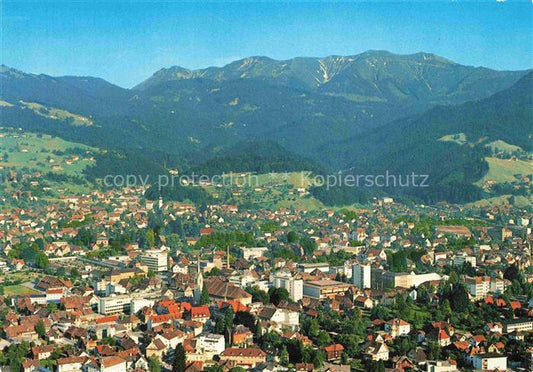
column 126, row 310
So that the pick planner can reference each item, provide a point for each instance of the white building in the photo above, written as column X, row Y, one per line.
column 489, row 362
column 281, row 318
column 253, row 252
column 480, row 286
column 293, row 284
column 361, row 275
column 309, row 267
column 210, row 343
column 155, row 259
column 114, row 305
column 440, row 366
column 138, row 303
column 519, row 325
column 397, row 327
column 461, row 260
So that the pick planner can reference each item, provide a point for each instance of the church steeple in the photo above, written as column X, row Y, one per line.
column 199, row 282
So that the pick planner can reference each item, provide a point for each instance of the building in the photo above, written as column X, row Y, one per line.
column 397, row 327
column 506, row 233
column 224, row 291
column 247, row 358
column 459, row 231
column 462, row 259
column 361, row 275
column 253, row 252
column 377, row 351
column 155, row 259
column 294, row 284
column 283, row 318
column 480, row 286
column 310, row 267
column 114, row 305
column 210, row 344
column 334, row 352
column 440, row 366
column 489, row 362
column 520, row 325
column 321, row 289
column 383, row 279
column 109, row 364
column 70, row 364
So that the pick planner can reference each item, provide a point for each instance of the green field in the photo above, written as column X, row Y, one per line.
column 503, row 146
column 459, row 138
column 519, row 201
column 36, row 152
column 18, row 289
column 503, row 170
column 26, row 152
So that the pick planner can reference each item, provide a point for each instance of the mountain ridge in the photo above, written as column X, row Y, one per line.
column 316, row 109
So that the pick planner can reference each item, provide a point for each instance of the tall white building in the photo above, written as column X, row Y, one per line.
column 361, row 275
column 294, row 284
column 480, row 286
column 114, row 305
column 155, row 259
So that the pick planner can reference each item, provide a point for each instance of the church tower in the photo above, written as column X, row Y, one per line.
column 199, row 282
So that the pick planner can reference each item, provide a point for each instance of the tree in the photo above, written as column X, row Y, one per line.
column 214, row 368
column 512, row 273
column 16, row 354
column 40, row 328
column 376, row 366
column 434, row 351
column 278, row 295
column 179, row 364
column 154, row 365
column 204, row 298
column 237, row 369
column 323, row 338
column 246, row 319
column 459, row 298
column 292, row 237
column 284, row 356
column 74, row 272
column 219, row 326
column 228, row 318
column 258, row 332
column 258, row 295
column 41, row 261
column 314, row 327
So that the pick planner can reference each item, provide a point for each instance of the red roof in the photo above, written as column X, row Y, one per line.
column 515, row 305
column 207, row 231
column 200, row 312
column 107, row 319
column 334, row 347
column 235, row 351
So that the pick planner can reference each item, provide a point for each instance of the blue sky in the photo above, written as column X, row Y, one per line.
column 126, row 42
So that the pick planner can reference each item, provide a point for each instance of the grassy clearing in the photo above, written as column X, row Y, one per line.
column 459, row 138
column 42, row 153
column 503, row 170
column 519, row 201
column 503, row 146
column 57, row 114
column 18, row 290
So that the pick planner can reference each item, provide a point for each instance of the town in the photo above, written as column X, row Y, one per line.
column 112, row 281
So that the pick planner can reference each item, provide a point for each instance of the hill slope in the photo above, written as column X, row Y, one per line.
column 414, row 145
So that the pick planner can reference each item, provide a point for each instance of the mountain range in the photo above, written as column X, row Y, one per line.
column 340, row 112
